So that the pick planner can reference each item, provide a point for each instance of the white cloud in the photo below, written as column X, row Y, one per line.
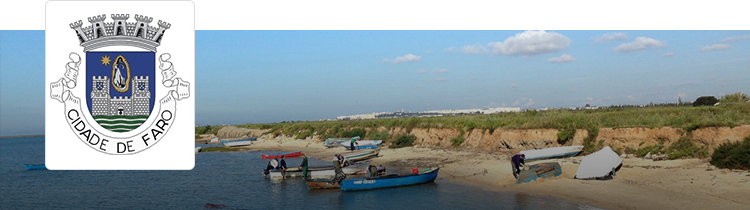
column 669, row 54
column 525, row 101
column 736, row 38
column 474, row 49
column 437, row 80
column 404, row 59
column 531, row 43
column 440, row 71
column 715, row 47
column 513, row 85
column 610, row 37
column 639, row 44
column 564, row 58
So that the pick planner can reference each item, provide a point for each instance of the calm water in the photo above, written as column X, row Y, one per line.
column 232, row 179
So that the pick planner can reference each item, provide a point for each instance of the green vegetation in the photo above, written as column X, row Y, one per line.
column 588, row 142
column 685, row 147
column 377, row 135
column 565, row 134
column 705, row 101
column 734, row 97
column 733, row 155
column 353, row 132
column 207, row 129
column 457, row 141
column 403, row 141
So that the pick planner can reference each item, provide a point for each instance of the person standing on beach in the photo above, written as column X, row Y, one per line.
column 303, row 166
column 517, row 162
column 282, row 166
column 353, row 141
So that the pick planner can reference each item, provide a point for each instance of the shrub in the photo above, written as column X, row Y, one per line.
column 734, row 97
column 588, row 142
column 403, row 141
column 457, row 141
column 378, row 135
column 353, row 132
column 705, row 101
column 655, row 149
column 733, row 155
column 685, row 147
column 305, row 134
column 565, row 134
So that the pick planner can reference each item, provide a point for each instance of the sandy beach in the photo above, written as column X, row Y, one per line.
column 640, row 184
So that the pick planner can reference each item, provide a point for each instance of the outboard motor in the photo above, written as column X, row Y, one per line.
column 271, row 165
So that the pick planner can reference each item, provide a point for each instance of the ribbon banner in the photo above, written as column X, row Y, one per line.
column 146, row 135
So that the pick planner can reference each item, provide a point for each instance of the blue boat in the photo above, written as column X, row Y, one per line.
column 542, row 170
column 427, row 175
column 334, row 142
column 35, row 166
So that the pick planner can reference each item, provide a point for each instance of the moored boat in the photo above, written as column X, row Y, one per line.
column 363, row 155
column 363, row 144
column 240, row 142
column 542, row 170
column 197, row 149
column 334, row 142
column 319, row 184
column 553, row 152
column 279, row 154
column 35, row 166
column 312, row 172
column 356, row 167
column 424, row 176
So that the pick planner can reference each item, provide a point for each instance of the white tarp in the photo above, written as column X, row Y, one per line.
column 598, row 164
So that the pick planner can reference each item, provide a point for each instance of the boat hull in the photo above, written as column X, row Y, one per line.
column 322, row 184
column 554, row 152
column 363, row 144
column 313, row 174
column 197, row 149
column 359, row 156
column 239, row 142
column 35, row 166
column 278, row 155
column 387, row 182
column 542, row 170
column 352, row 169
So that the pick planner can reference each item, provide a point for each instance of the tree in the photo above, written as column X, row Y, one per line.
column 705, row 101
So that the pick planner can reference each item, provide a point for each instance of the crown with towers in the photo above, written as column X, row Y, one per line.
column 119, row 32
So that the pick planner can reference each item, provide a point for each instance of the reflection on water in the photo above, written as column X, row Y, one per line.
column 233, row 179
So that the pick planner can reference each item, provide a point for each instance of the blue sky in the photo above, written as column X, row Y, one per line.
column 273, row 76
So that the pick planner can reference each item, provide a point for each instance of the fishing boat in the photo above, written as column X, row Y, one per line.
column 35, row 166
column 279, row 154
column 363, row 144
column 334, row 142
column 320, row 184
column 359, row 156
column 197, row 149
column 554, row 152
column 321, row 172
column 240, row 142
column 542, row 170
column 355, row 168
column 393, row 180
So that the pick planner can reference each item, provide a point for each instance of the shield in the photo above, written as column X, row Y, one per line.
column 120, row 88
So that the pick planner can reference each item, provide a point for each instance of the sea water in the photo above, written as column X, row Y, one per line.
column 232, row 179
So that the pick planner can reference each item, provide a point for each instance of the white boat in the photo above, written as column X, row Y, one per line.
column 197, row 149
column 241, row 142
column 215, row 140
column 599, row 165
column 313, row 172
column 356, row 167
column 554, row 152
column 363, row 144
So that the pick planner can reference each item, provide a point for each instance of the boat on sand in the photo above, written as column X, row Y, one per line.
column 553, row 152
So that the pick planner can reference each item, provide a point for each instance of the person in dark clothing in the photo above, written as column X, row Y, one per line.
column 373, row 171
column 337, row 168
column 353, row 141
column 282, row 167
column 303, row 165
column 517, row 162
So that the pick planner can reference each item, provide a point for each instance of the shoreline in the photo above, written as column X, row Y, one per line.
column 640, row 184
